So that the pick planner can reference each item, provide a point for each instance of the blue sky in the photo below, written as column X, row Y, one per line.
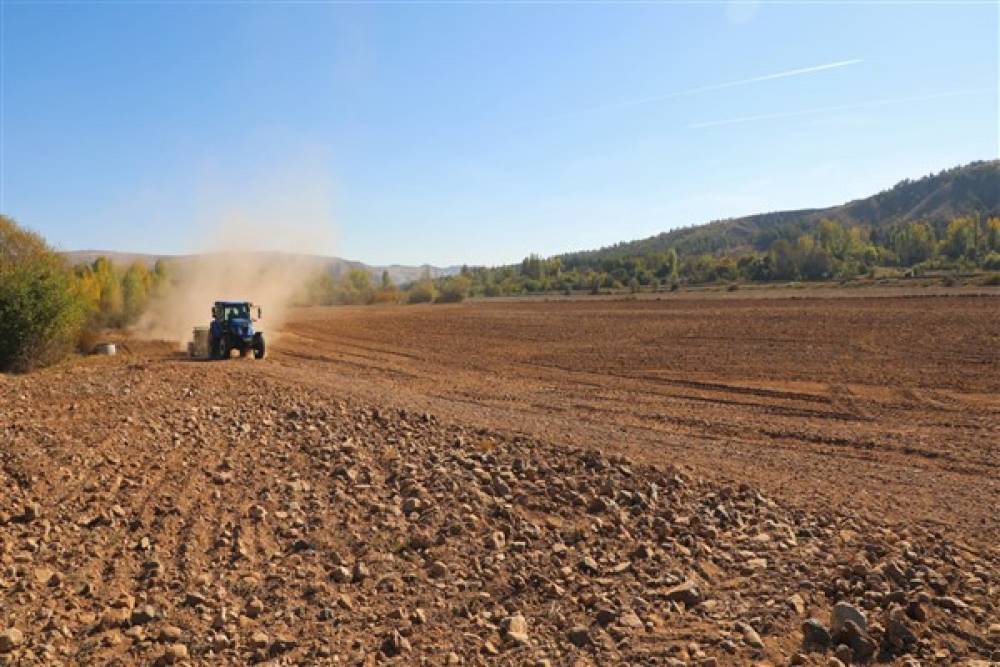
column 473, row 132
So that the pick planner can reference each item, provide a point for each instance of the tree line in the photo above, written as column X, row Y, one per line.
column 827, row 250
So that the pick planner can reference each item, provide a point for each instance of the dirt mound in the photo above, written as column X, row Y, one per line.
column 179, row 512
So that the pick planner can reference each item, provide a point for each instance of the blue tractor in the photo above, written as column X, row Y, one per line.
column 232, row 329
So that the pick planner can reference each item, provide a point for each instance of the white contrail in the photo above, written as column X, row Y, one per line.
column 841, row 107
column 719, row 86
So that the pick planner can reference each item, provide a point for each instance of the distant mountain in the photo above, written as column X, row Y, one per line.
column 937, row 199
column 400, row 274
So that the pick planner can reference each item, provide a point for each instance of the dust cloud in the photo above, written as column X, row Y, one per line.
column 262, row 257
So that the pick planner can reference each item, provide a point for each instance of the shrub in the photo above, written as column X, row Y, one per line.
column 991, row 280
column 41, row 313
column 421, row 292
column 453, row 290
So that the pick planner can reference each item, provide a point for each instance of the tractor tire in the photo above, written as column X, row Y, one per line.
column 244, row 350
column 259, row 350
column 222, row 349
column 213, row 348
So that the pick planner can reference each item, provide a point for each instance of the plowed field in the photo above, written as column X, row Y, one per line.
column 685, row 481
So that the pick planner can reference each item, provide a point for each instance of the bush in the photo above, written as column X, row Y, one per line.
column 992, row 261
column 991, row 280
column 41, row 313
column 421, row 292
column 453, row 290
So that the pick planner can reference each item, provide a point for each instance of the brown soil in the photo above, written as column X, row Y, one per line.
column 682, row 481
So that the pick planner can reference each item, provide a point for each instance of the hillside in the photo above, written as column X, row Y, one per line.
column 400, row 274
column 937, row 199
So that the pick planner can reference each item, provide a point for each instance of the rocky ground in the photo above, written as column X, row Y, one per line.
column 159, row 511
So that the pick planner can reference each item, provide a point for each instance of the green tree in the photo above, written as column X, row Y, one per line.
column 960, row 238
column 914, row 243
column 41, row 313
column 135, row 291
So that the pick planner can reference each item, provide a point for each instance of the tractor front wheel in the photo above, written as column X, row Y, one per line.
column 258, row 346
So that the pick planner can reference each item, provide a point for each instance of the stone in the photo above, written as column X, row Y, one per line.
column 395, row 644
column 144, row 614
column 496, row 541
column 579, row 636
column 516, row 628
column 254, row 607
column 170, row 633
column 438, row 570
column 862, row 646
column 843, row 612
column 10, row 639
column 950, row 603
column 631, row 620
column 750, row 636
column 815, row 634
column 899, row 633
column 686, row 592
column 174, row 653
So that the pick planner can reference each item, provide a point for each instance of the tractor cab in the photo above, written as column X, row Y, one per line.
column 224, row 311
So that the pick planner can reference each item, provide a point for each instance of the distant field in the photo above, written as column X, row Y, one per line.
column 887, row 398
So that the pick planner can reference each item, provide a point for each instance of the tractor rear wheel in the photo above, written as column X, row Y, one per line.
column 222, row 349
column 258, row 346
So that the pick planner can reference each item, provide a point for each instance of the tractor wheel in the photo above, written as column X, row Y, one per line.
column 213, row 348
column 222, row 348
column 244, row 350
column 258, row 346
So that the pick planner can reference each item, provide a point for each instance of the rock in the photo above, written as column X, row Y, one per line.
column 195, row 599
column 843, row 655
column 796, row 602
column 170, row 633
column 631, row 620
column 917, row 611
column 687, row 593
column 994, row 631
column 395, row 644
column 579, row 636
column 496, row 541
column 843, row 612
column 899, row 634
column 254, row 607
column 144, row 614
column 815, row 634
column 341, row 575
column 438, row 570
column 750, row 635
column 259, row 639
column 173, row 653
column 282, row 644
column 950, row 603
column 862, row 646
column 10, row 639
column 31, row 512
column 516, row 628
